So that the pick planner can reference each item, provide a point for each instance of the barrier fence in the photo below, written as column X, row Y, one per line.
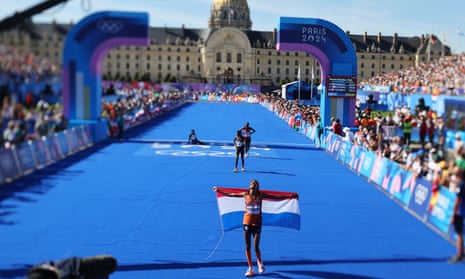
column 24, row 158
column 432, row 206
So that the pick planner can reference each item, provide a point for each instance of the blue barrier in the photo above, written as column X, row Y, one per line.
column 8, row 164
column 26, row 157
column 417, row 195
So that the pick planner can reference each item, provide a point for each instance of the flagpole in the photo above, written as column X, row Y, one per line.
column 298, row 78
column 222, row 232
column 311, row 84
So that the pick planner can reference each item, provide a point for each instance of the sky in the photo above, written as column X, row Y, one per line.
column 444, row 18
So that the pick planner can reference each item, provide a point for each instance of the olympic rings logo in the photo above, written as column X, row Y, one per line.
column 188, row 150
column 211, row 153
column 110, row 26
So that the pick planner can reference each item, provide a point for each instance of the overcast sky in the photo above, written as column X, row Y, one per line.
column 445, row 18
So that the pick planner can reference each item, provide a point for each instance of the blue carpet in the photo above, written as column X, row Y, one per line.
column 148, row 201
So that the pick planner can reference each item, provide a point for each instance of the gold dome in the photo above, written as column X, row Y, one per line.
column 230, row 13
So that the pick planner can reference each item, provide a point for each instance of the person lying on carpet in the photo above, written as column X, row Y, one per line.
column 192, row 139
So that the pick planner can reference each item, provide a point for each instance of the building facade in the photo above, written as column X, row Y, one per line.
column 227, row 51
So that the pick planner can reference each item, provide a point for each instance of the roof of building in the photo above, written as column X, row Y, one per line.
column 258, row 39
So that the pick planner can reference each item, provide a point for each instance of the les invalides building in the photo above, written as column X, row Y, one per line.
column 228, row 50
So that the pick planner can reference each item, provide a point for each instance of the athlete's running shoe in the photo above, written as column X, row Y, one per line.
column 456, row 259
column 249, row 272
column 243, row 169
column 235, row 170
column 261, row 268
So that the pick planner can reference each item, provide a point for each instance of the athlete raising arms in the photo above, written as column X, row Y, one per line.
column 252, row 222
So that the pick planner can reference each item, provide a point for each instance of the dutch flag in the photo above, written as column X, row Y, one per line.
column 282, row 213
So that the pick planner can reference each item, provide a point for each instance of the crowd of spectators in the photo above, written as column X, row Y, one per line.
column 376, row 131
column 388, row 134
column 443, row 76
column 20, row 123
column 136, row 105
column 19, row 66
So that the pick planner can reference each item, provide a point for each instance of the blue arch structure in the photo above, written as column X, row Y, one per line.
column 85, row 47
column 336, row 55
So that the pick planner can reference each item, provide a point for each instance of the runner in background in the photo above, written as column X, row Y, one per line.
column 192, row 138
column 246, row 133
column 239, row 144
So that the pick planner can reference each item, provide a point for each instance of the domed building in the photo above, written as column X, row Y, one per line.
column 227, row 51
column 230, row 13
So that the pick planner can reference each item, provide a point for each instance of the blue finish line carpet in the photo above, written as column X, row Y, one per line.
column 148, row 201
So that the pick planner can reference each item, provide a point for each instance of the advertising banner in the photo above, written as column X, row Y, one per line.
column 8, row 164
column 344, row 151
column 441, row 212
column 334, row 143
column 367, row 164
column 420, row 201
column 62, row 143
column 53, row 146
column 40, row 151
column 355, row 158
column 25, row 158
column 72, row 139
column 402, row 185
column 391, row 170
column 434, row 208
column 378, row 171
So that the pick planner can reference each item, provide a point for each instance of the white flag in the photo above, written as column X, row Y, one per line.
column 313, row 73
column 298, row 73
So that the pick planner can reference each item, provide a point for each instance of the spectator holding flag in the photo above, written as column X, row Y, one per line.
column 252, row 220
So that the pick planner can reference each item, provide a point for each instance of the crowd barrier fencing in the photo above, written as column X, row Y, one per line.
column 24, row 158
column 431, row 205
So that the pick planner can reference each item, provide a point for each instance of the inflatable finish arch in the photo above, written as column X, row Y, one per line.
column 334, row 51
column 86, row 45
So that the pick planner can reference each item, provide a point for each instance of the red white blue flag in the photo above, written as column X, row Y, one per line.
column 281, row 213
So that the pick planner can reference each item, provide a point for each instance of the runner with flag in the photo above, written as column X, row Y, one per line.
column 252, row 216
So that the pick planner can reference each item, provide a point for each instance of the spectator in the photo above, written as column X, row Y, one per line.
column 239, row 144
column 458, row 215
column 348, row 134
column 407, row 129
column 9, row 133
column 422, row 130
column 458, row 145
column 319, row 131
column 337, row 127
column 247, row 132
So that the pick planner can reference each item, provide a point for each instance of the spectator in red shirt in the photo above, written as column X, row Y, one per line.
column 337, row 127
